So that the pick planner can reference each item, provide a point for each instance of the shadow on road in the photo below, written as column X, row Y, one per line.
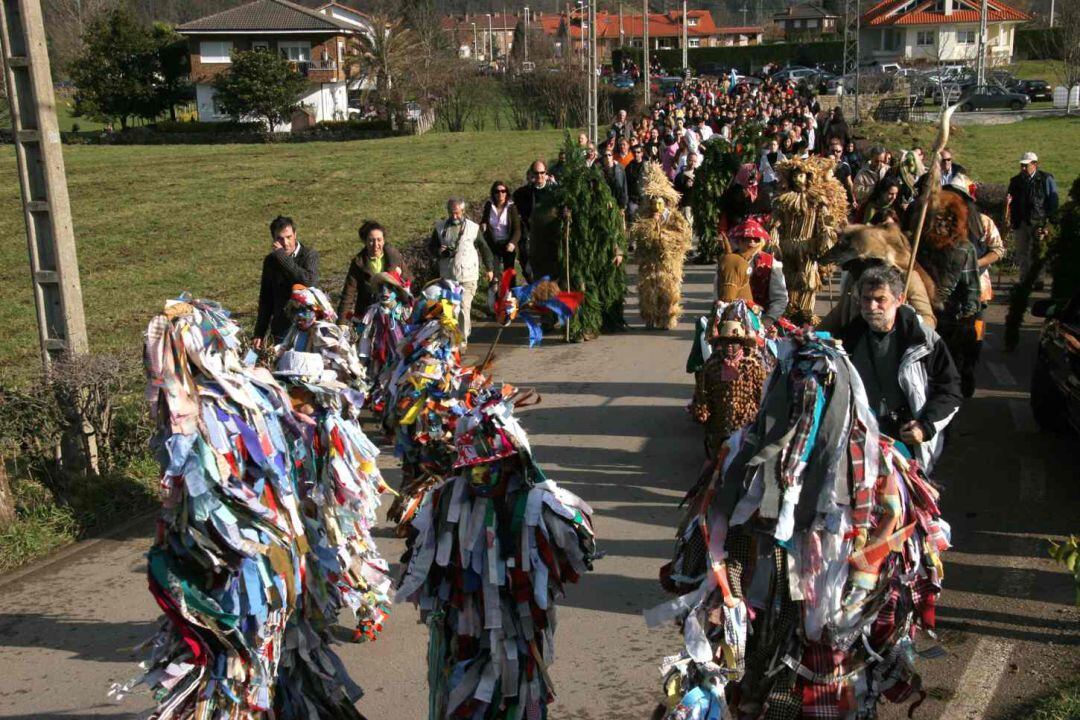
column 84, row 639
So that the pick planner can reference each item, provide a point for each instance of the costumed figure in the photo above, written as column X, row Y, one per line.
column 379, row 331
column 662, row 236
column 859, row 247
column 534, row 303
column 768, row 286
column 269, row 494
column 808, row 558
column 578, row 234
column 734, row 373
column 808, row 214
column 490, row 541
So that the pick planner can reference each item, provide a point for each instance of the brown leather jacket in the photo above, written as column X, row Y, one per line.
column 359, row 290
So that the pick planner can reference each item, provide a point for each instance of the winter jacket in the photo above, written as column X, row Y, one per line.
column 1034, row 198
column 359, row 290
column 280, row 271
column 616, row 180
column 927, row 375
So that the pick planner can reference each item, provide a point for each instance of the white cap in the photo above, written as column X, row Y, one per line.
column 1029, row 157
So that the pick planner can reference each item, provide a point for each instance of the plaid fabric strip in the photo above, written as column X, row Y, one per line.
column 821, row 697
column 793, row 461
column 864, row 492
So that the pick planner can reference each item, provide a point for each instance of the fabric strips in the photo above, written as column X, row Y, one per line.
column 809, row 555
column 269, row 493
column 491, row 543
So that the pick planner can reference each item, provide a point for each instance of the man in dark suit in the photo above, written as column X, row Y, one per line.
column 289, row 263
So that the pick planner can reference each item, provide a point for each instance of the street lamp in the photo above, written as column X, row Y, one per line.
column 685, row 63
column 473, row 40
column 490, row 42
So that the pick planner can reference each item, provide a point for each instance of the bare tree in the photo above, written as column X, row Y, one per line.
column 1061, row 46
column 66, row 21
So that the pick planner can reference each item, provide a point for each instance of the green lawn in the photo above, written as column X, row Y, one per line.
column 152, row 221
column 990, row 152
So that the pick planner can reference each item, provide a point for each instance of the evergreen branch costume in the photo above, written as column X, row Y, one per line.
column 807, row 216
column 269, row 494
column 662, row 236
column 720, row 163
column 583, row 201
column 491, row 542
column 809, row 555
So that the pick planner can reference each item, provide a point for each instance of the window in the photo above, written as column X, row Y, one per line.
column 693, row 42
column 811, row 23
column 215, row 51
column 691, row 21
column 295, row 51
column 261, row 45
column 965, row 37
column 926, row 38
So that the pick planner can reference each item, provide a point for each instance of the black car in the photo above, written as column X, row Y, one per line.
column 1055, row 380
column 1036, row 90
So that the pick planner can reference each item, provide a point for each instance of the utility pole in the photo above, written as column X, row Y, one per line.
column 980, row 62
column 622, row 32
column 1051, row 13
column 474, row 40
column 490, row 42
column 594, row 80
column 645, row 38
column 685, row 32
column 54, row 265
column 525, row 37
column 851, row 56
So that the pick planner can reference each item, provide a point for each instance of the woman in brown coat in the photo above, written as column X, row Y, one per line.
column 376, row 257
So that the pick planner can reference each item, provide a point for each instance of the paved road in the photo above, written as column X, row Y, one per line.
column 612, row 429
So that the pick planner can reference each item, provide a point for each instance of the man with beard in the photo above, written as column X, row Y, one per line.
column 911, row 383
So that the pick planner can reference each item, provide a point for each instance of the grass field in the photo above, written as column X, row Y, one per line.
column 991, row 152
column 152, row 221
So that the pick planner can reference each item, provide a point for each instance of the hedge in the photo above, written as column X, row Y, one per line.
column 746, row 58
column 193, row 126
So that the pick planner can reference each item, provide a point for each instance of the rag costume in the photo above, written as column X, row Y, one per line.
column 662, row 237
column 808, row 558
column 808, row 214
column 270, row 490
column 379, row 331
column 490, row 541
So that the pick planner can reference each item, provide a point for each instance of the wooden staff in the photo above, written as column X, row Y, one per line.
column 566, row 261
column 933, row 179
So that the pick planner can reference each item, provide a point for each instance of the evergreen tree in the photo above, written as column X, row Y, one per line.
column 587, row 208
column 174, row 85
column 116, row 75
column 261, row 85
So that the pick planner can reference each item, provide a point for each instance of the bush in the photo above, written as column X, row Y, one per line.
column 198, row 126
column 354, row 124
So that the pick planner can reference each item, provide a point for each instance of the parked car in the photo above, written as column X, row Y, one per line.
column 795, row 72
column 623, row 81
column 946, row 93
column 713, row 69
column 1055, row 378
column 981, row 97
column 1036, row 90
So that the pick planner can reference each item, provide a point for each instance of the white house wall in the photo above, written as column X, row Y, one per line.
column 329, row 101
column 1000, row 37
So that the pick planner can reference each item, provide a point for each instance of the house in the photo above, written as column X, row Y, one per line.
column 807, row 19
column 937, row 31
column 314, row 40
column 665, row 31
column 481, row 35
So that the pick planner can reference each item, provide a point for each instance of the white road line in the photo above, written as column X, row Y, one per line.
column 1023, row 421
column 1001, row 374
column 980, row 679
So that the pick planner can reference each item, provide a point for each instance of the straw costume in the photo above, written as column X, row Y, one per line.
column 269, row 494
column 808, row 214
column 808, row 558
column 491, row 542
column 663, row 237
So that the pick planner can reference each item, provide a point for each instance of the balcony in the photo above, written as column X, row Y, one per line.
column 317, row 71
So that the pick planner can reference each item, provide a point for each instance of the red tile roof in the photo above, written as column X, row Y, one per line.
column 660, row 25
column 916, row 12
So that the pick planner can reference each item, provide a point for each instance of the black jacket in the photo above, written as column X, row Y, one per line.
column 279, row 273
column 926, row 370
column 635, row 181
column 1034, row 199
column 616, row 180
column 513, row 220
column 359, row 290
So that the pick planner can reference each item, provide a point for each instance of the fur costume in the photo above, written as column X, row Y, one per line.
column 662, row 236
column 809, row 555
column 856, row 248
column 945, row 253
column 808, row 214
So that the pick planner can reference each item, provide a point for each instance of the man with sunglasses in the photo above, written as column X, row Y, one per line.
column 526, row 198
column 843, row 171
column 635, row 182
column 950, row 168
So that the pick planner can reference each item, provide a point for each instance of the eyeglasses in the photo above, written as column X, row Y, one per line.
column 541, row 172
column 945, row 159
column 501, row 191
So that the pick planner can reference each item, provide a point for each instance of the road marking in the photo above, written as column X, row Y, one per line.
column 980, row 679
column 1002, row 375
column 1023, row 420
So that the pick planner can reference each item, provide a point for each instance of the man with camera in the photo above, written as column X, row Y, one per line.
column 459, row 248
column 911, row 382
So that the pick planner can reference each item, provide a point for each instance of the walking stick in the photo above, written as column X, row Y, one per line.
column 566, row 260
column 491, row 351
column 933, row 179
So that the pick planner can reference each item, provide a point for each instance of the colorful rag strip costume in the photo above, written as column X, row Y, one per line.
column 809, row 554
column 378, row 334
column 269, row 495
column 491, row 542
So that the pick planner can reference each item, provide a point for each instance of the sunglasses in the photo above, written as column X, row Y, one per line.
column 501, row 191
